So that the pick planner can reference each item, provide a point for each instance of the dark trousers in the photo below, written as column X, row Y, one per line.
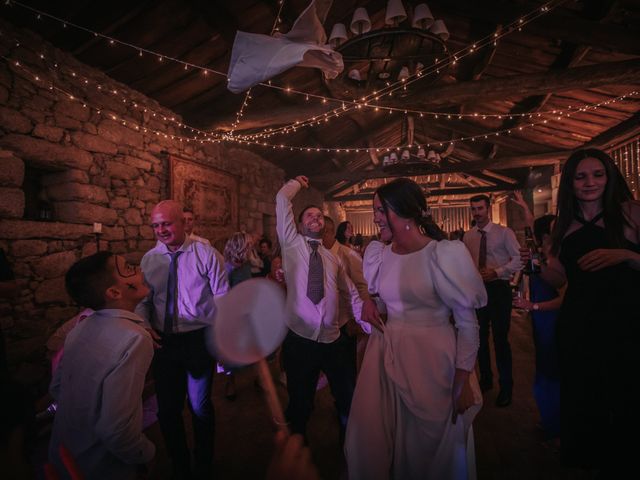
column 303, row 360
column 184, row 367
column 496, row 316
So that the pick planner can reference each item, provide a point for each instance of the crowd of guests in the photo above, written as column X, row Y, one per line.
column 423, row 305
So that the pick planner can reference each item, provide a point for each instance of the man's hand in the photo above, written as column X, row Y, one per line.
column 302, row 180
column 462, row 395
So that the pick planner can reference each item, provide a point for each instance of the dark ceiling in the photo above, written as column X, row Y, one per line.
column 579, row 54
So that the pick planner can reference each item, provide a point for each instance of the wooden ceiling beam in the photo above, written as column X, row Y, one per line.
column 503, row 163
column 576, row 78
column 434, row 192
column 617, row 134
column 112, row 27
column 555, row 24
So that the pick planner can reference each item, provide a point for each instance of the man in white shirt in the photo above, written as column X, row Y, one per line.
column 185, row 278
column 496, row 252
column 189, row 224
column 352, row 262
column 315, row 280
column 99, row 383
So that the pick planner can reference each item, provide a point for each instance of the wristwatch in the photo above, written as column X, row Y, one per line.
column 535, row 307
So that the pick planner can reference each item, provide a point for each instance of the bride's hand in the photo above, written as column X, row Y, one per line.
column 371, row 315
column 462, row 394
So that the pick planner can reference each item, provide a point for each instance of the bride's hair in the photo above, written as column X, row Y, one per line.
column 406, row 199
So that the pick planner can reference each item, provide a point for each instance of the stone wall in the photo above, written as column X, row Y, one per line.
column 105, row 162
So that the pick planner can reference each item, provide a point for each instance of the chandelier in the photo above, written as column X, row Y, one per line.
column 376, row 59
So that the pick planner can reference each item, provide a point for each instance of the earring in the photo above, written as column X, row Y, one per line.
column 407, row 227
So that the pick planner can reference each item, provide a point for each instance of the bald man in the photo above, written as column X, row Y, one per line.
column 185, row 278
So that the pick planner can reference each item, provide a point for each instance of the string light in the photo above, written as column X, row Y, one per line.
column 473, row 138
column 247, row 96
column 470, row 49
column 391, row 88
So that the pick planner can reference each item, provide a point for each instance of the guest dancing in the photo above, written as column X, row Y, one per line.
column 597, row 239
column 415, row 377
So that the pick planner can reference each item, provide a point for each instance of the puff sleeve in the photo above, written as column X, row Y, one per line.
column 371, row 265
column 460, row 287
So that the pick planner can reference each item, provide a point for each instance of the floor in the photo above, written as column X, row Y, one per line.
column 509, row 445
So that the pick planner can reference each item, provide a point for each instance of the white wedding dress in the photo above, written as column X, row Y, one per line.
column 400, row 421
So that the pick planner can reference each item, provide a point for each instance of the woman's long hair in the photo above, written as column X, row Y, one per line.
column 340, row 232
column 616, row 192
column 406, row 199
column 236, row 250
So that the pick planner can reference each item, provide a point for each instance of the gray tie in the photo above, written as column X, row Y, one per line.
column 315, row 282
column 172, row 290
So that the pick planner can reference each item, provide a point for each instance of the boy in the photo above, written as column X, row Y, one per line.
column 99, row 383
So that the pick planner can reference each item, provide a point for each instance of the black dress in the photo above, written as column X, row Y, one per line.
column 597, row 336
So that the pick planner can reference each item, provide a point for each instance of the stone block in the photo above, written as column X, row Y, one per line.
column 77, row 191
column 46, row 153
column 146, row 232
column 120, row 134
column 132, row 216
column 53, row 134
column 80, row 212
column 25, row 229
column 13, row 121
column 54, row 265
column 120, row 202
column 131, row 232
column 93, row 143
column 11, row 170
column 11, row 202
column 118, row 247
column 90, row 128
column 146, row 245
column 68, row 176
column 68, row 122
column 27, row 248
column 52, row 291
column 120, row 171
column 112, row 233
column 136, row 162
column 154, row 184
column 71, row 109
column 147, row 196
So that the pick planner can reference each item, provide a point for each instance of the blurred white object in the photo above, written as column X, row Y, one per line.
column 256, row 58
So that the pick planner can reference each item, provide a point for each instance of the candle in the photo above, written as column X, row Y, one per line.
column 97, row 228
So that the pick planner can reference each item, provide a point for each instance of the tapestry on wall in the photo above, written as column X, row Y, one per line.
column 211, row 193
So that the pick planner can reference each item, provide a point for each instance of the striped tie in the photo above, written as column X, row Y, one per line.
column 315, row 281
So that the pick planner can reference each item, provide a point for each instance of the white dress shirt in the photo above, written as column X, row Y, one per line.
column 198, row 238
column 98, row 387
column 503, row 249
column 201, row 278
column 319, row 322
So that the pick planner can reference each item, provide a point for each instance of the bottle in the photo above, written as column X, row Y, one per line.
column 533, row 265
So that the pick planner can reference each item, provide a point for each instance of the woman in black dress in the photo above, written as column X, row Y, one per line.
column 596, row 240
